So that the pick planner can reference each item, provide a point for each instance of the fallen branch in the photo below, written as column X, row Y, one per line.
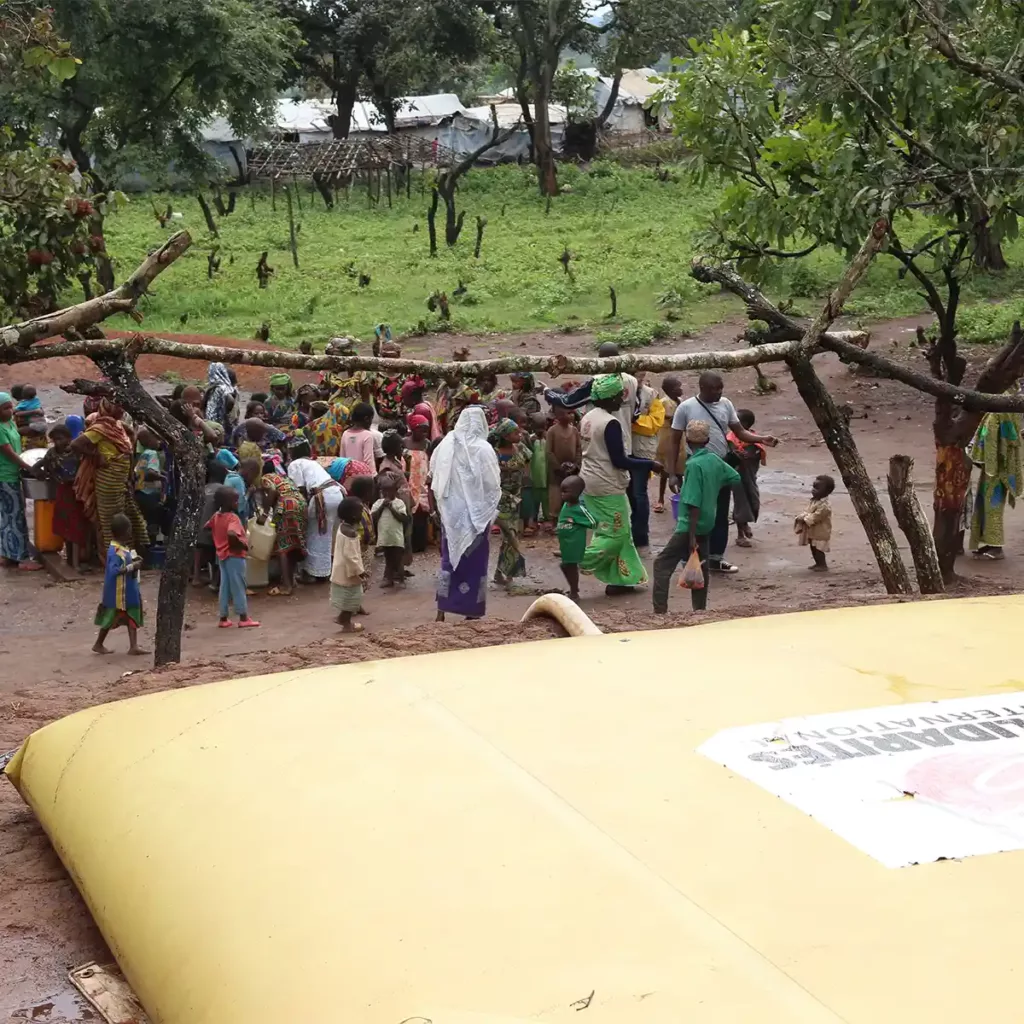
column 553, row 365
column 92, row 311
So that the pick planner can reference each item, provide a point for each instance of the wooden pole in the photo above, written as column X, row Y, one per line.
column 298, row 196
column 389, row 186
column 291, row 227
column 912, row 521
column 273, row 194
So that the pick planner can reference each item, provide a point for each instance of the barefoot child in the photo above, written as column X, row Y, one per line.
column 348, row 573
column 535, row 479
column 573, row 523
column 563, row 450
column 746, row 458
column 814, row 527
column 122, row 599
column 232, row 545
column 390, row 515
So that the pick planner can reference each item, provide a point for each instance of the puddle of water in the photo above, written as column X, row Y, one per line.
column 64, row 1007
column 777, row 481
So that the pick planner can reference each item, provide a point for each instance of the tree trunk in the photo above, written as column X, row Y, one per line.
column 481, row 223
column 190, row 462
column 911, row 518
column 452, row 221
column 524, row 105
column 345, row 96
column 211, row 224
column 431, row 225
column 988, row 254
column 547, row 175
column 953, row 427
column 952, row 476
column 325, row 191
column 104, row 266
column 836, row 433
column 292, row 242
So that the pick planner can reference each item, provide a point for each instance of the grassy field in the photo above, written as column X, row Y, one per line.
column 624, row 228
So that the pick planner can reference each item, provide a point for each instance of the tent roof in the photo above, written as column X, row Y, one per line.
column 509, row 112
column 311, row 116
column 636, row 87
column 428, row 109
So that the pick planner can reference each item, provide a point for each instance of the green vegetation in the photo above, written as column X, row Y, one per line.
column 624, row 229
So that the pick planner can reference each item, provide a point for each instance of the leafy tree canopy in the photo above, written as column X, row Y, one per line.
column 824, row 116
column 157, row 70
column 44, row 238
column 385, row 49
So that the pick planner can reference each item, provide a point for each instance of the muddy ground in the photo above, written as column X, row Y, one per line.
column 46, row 631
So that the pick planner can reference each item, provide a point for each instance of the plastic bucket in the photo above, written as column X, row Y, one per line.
column 42, row 521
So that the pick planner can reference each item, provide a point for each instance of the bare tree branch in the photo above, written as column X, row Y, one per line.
column 553, row 365
column 86, row 314
column 854, row 272
column 944, row 43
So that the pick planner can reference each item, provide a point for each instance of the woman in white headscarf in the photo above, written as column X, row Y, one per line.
column 466, row 485
column 221, row 405
column 323, row 496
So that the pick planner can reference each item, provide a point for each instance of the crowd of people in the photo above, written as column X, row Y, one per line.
column 353, row 466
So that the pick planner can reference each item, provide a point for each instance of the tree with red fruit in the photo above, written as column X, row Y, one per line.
column 43, row 222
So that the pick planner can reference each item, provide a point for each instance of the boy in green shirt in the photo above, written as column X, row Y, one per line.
column 573, row 523
column 706, row 475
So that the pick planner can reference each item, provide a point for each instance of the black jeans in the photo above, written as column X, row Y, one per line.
column 719, row 536
column 675, row 551
column 640, row 506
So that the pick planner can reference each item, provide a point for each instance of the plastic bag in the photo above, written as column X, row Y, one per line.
column 693, row 575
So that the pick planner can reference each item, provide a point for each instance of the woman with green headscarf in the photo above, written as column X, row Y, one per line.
column 280, row 405
column 513, row 458
column 611, row 555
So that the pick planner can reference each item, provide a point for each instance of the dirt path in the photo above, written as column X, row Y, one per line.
column 45, row 628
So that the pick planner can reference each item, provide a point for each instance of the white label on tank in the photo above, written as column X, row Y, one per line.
column 906, row 784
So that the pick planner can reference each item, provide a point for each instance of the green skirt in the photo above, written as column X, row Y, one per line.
column 612, row 556
column 111, row 618
column 346, row 599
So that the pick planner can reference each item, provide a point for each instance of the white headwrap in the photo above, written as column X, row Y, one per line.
column 307, row 473
column 466, row 482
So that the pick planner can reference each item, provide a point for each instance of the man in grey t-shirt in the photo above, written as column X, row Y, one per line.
column 720, row 415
